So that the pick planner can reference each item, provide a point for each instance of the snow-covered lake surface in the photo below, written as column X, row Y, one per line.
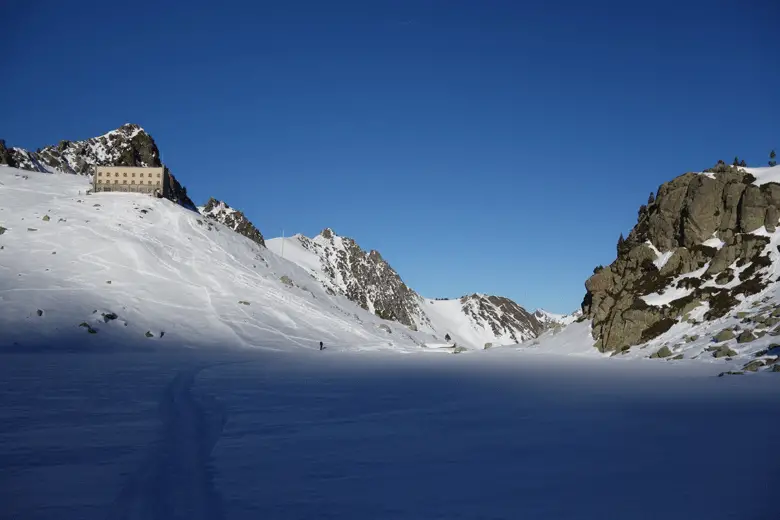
column 202, row 434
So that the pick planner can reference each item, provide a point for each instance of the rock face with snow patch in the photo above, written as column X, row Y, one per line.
column 705, row 224
column 502, row 316
column 128, row 145
column 232, row 218
column 363, row 277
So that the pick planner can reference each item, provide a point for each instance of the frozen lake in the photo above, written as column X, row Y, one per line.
column 239, row 435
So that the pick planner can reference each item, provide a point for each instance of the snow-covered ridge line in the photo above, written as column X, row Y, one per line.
column 342, row 267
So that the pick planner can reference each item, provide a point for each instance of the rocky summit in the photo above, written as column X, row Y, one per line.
column 220, row 212
column 128, row 145
column 702, row 242
column 362, row 276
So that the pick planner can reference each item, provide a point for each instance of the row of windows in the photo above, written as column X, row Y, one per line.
column 130, row 189
column 116, row 181
column 124, row 174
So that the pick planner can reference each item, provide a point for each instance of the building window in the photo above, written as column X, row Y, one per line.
column 116, row 181
column 124, row 182
column 100, row 174
column 158, row 175
column 133, row 174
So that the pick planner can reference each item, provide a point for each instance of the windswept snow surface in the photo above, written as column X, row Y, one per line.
column 250, row 434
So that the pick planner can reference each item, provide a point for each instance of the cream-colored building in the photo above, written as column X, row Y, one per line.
column 132, row 179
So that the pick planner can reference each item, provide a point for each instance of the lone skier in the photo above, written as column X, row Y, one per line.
column 321, row 347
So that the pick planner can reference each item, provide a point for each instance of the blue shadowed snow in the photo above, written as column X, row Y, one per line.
column 237, row 435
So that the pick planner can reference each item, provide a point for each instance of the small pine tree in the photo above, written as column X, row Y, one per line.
column 736, row 161
column 742, row 163
column 620, row 243
column 772, row 161
column 447, row 337
column 720, row 161
column 651, row 198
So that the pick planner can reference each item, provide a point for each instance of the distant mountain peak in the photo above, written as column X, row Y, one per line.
column 367, row 279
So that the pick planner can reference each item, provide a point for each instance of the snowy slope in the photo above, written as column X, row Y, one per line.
column 478, row 320
column 343, row 268
column 160, row 274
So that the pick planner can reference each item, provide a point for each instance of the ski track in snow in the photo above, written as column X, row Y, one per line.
column 175, row 480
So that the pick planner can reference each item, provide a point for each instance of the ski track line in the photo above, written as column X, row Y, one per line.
column 174, row 482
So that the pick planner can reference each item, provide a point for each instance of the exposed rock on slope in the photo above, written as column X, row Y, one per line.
column 367, row 279
column 128, row 145
column 702, row 240
column 234, row 219
column 363, row 277
column 6, row 157
column 503, row 316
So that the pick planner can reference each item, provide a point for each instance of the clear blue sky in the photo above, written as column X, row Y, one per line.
column 479, row 146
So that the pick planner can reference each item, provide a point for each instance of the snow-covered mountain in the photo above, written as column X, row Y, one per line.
column 481, row 321
column 113, row 270
column 343, row 267
column 128, row 145
column 338, row 263
column 364, row 277
column 551, row 319
column 232, row 218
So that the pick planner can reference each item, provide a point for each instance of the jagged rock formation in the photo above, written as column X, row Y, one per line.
column 232, row 218
column 503, row 316
column 128, row 145
column 700, row 236
column 363, row 277
column 6, row 155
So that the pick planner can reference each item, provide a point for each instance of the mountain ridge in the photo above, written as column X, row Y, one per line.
column 476, row 319
column 128, row 145
column 363, row 277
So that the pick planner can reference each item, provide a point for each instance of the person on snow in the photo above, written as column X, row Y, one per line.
column 321, row 345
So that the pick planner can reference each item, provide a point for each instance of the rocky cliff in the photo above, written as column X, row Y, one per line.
column 232, row 218
column 700, row 243
column 362, row 276
column 128, row 145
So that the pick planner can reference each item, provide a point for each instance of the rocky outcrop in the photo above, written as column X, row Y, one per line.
column 6, row 157
column 365, row 278
column 128, row 145
column 232, row 218
column 720, row 203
